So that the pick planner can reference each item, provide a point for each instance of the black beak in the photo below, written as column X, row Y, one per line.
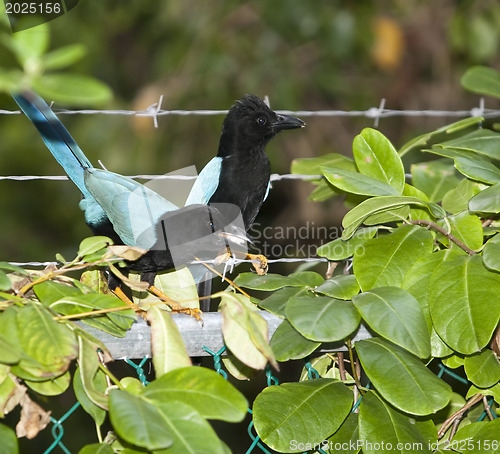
column 287, row 122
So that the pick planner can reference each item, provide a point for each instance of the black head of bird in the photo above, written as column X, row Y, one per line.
column 250, row 123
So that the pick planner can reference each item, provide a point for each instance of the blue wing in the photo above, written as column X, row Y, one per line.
column 133, row 209
column 206, row 183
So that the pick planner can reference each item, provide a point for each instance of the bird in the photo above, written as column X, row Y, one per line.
column 132, row 214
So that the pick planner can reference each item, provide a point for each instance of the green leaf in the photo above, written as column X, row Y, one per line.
column 271, row 282
column 312, row 166
column 180, row 286
column 457, row 200
column 6, row 266
column 384, row 261
column 382, row 429
column 462, row 309
column 49, row 291
column 341, row 249
column 465, row 227
column 48, row 342
column 482, row 369
column 201, row 388
column 52, row 387
column 346, row 437
column 482, row 80
column 434, row 178
column 167, row 346
column 29, row 45
column 245, row 331
column 323, row 191
column 97, row 448
column 343, row 287
column 99, row 383
column 287, row 343
column 376, row 157
column 138, row 421
column 359, row 214
column 4, row 281
column 295, row 413
column 401, row 378
column 491, row 254
column 93, row 244
column 357, row 183
column 9, row 440
column 478, row 169
column 322, row 319
column 89, row 373
column 487, row 201
column 72, row 89
column 191, row 433
column 278, row 300
column 394, row 314
column 8, row 352
column 480, row 437
column 64, row 56
column 482, row 141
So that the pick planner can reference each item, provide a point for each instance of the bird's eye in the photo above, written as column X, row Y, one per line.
column 261, row 121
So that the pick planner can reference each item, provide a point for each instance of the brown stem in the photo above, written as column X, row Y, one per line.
column 443, row 232
column 340, row 357
column 458, row 414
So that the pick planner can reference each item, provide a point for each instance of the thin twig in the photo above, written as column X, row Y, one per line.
column 353, row 369
column 487, row 408
column 340, row 357
column 458, row 414
column 443, row 232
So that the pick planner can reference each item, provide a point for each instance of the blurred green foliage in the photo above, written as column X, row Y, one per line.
column 321, row 55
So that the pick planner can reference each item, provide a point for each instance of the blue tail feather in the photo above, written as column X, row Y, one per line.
column 56, row 137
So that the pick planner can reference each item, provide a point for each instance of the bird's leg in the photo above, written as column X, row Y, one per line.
column 260, row 263
column 120, row 294
column 176, row 307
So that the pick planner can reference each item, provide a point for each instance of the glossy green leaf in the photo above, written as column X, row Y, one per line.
column 49, row 291
column 278, row 300
column 321, row 318
column 457, row 199
column 482, row 141
column 88, row 362
column 271, row 282
column 64, row 56
column 180, row 286
column 491, row 254
column 201, row 388
column 312, row 166
column 396, row 315
column 465, row 227
column 93, row 244
column 342, row 286
column 354, row 218
column 167, row 346
column 418, row 278
column 434, row 178
column 481, row 437
column 287, row 343
column 384, row 261
column 376, row 157
column 357, row 183
column 482, row 80
column 50, row 343
column 460, row 289
column 191, row 433
column 305, row 412
column 346, row 437
column 429, row 138
column 52, row 387
column 9, row 440
column 97, row 448
column 138, row 421
column 482, row 369
column 487, row 201
column 245, row 331
column 72, row 88
column 478, row 169
column 99, row 383
column 401, row 378
column 341, row 249
column 323, row 191
column 382, row 429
